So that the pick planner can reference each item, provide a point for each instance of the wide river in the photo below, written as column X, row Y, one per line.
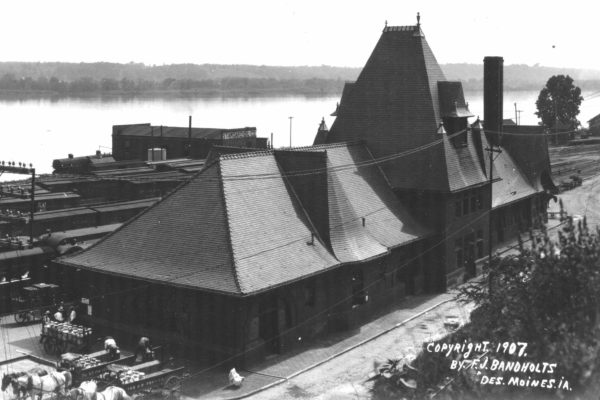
column 40, row 130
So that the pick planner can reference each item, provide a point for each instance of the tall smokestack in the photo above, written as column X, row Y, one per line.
column 493, row 96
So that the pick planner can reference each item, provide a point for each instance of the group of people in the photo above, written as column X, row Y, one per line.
column 143, row 351
column 61, row 315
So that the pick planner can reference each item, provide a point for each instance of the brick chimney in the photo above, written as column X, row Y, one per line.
column 493, row 96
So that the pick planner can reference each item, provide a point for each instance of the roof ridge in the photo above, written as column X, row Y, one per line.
column 228, row 228
column 400, row 28
column 247, row 154
column 325, row 146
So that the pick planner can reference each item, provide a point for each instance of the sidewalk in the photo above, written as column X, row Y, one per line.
column 215, row 385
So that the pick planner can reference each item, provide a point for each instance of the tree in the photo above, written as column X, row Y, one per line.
column 558, row 102
column 547, row 296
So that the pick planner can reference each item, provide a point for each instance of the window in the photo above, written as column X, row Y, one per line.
column 479, row 201
column 465, row 206
column 473, row 203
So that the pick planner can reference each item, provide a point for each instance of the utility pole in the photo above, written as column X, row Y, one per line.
column 516, row 115
column 32, row 211
column 291, row 130
column 491, row 150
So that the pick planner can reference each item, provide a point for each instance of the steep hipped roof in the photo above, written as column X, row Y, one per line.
column 528, row 148
column 393, row 105
column 513, row 184
column 443, row 166
column 269, row 230
column 365, row 217
column 176, row 132
column 362, row 192
column 239, row 227
column 183, row 239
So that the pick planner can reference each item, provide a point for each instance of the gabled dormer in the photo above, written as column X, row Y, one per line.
column 454, row 111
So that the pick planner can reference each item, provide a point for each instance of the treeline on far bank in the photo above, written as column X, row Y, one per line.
column 9, row 83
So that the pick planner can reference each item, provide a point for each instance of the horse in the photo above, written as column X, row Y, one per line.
column 18, row 381
column 54, row 382
column 88, row 391
column 8, row 378
column 85, row 391
column 10, row 382
column 112, row 393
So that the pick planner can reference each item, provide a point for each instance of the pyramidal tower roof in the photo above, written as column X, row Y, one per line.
column 394, row 103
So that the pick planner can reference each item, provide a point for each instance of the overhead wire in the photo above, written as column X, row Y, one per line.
column 369, row 163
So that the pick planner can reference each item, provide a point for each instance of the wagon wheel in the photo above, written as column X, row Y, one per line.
column 53, row 346
column 61, row 347
column 21, row 317
column 49, row 345
column 172, row 382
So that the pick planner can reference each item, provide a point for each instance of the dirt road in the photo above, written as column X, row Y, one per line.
column 345, row 377
column 583, row 200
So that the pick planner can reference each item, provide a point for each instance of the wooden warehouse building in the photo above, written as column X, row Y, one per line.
column 136, row 141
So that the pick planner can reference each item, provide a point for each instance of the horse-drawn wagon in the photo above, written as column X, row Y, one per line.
column 92, row 366
column 145, row 381
column 79, row 377
column 151, row 379
column 31, row 301
column 57, row 337
column 30, row 376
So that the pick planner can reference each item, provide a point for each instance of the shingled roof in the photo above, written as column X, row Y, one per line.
column 394, row 105
column 365, row 218
column 239, row 227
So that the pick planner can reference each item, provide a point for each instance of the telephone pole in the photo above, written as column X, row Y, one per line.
column 291, row 131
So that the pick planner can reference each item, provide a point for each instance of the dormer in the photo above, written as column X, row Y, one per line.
column 454, row 111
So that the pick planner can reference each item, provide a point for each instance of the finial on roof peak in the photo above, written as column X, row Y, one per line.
column 386, row 23
column 418, row 32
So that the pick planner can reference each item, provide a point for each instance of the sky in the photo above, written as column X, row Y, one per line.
column 308, row 32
